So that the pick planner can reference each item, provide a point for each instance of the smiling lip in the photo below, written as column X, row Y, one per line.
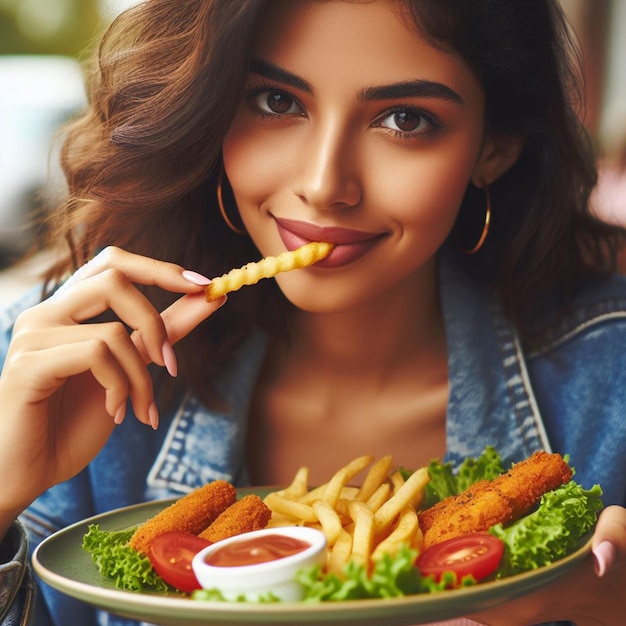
column 350, row 245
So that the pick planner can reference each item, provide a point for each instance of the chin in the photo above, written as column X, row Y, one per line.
column 321, row 297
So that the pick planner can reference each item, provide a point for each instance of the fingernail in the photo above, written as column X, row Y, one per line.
column 604, row 557
column 196, row 279
column 153, row 416
column 120, row 414
column 169, row 358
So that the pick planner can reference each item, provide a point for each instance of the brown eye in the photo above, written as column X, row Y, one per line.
column 406, row 121
column 277, row 103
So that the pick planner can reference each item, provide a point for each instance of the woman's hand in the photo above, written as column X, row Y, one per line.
column 65, row 383
column 590, row 595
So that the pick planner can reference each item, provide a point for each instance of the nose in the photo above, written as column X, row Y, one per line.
column 327, row 173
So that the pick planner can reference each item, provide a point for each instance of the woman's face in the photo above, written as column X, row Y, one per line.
column 355, row 131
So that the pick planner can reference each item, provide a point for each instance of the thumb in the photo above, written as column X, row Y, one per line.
column 181, row 317
column 609, row 539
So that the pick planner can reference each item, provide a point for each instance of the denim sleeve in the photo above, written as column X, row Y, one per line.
column 17, row 589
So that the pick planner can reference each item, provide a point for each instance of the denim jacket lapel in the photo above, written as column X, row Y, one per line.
column 491, row 401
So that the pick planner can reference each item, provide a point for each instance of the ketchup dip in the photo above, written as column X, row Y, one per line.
column 260, row 549
column 261, row 562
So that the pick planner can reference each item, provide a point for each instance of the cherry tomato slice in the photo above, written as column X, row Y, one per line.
column 478, row 554
column 171, row 554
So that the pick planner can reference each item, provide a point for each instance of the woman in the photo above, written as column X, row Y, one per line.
column 468, row 300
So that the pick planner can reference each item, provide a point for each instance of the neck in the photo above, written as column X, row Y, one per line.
column 403, row 325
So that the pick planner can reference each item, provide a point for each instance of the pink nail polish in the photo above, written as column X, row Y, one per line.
column 169, row 358
column 604, row 557
column 153, row 416
column 120, row 414
column 196, row 279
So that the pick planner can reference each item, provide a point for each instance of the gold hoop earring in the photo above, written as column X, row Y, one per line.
column 485, row 231
column 220, row 204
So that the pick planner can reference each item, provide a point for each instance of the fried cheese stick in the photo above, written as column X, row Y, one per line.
column 190, row 514
column 249, row 513
column 488, row 502
column 268, row 267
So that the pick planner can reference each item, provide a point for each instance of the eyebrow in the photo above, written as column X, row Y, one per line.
column 269, row 70
column 404, row 89
column 411, row 89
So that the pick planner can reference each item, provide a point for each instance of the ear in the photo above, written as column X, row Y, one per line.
column 498, row 154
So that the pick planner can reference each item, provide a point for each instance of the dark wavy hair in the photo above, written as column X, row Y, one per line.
column 142, row 161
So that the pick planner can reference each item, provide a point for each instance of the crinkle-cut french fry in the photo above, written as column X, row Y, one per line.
column 268, row 267
column 342, row 476
column 363, row 534
column 339, row 555
column 403, row 533
column 297, row 511
column 330, row 521
column 376, row 476
column 406, row 494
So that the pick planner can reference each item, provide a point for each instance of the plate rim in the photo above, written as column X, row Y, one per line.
column 143, row 605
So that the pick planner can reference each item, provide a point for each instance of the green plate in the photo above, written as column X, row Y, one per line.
column 62, row 563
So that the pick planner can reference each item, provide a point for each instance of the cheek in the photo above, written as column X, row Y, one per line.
column 254, row 163
column 243, row 163
column 423, row 192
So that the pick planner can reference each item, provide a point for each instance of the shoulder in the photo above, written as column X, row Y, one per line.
column 579, row 379
column 596, row 312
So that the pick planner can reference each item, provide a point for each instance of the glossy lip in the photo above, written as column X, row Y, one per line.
column 350, row 244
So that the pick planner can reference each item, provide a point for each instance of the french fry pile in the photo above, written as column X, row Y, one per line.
column 361, row 523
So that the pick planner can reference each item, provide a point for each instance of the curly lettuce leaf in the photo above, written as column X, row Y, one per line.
column 446, row 480
column 116, row 560
column 551, row 532
column 391, row 577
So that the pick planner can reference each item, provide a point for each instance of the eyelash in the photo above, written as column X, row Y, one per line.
column 429, row 118
column 256, row 91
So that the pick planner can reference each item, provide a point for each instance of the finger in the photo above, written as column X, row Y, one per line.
column 40, row 373
column 119, row 348
column 110, row 289
column 186, row 313
column 181, row 317
column 139, row 269
column 609, row 539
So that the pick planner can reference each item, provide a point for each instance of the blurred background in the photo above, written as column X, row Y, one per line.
column 42, row 45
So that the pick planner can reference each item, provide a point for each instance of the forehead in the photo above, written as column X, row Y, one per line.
column 369, row 42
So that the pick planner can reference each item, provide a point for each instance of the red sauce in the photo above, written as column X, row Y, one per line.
column 256, row 550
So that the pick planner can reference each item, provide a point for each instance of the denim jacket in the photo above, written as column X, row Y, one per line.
column 567, row 396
